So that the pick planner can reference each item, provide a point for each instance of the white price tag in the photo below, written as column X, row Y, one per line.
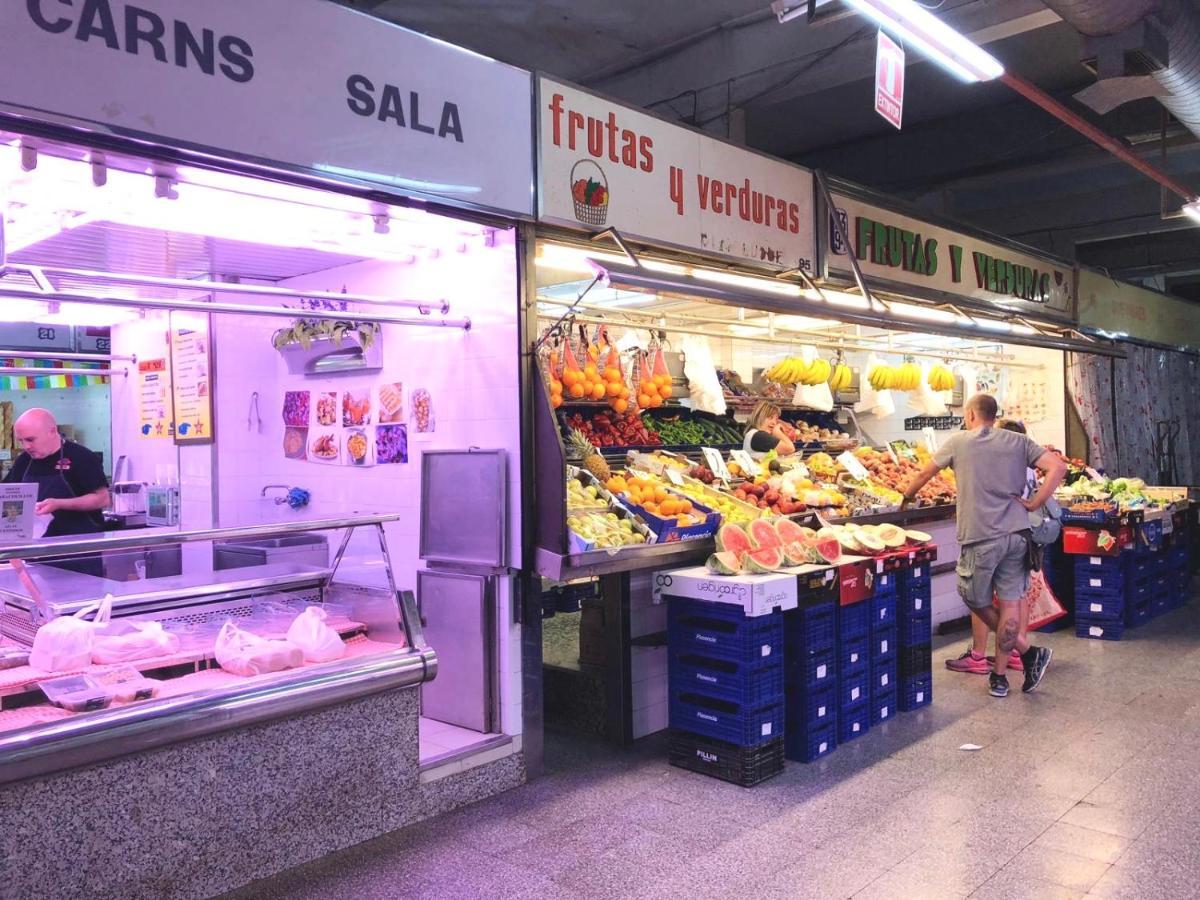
column 820, row 712
column 856, row 727
column 824, row 745
column 918, row 603
column 801, row 468
column 716, row 462
column 851, row 464
column 1093, row 474
column 920, row 696
column 821, row 671
column 883, row 712
column 766, row 650
column 743, row 459
column 854, row 692
column 1095, row 632
column 853, row 657
column 673, row 475
column 766, row 730
column 892, row 454
column 883, row 680
column 1097, row 607
column 883, row 646
column 1095, row 582
column 1095, row 560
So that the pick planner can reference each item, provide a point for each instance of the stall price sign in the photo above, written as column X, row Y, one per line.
column 743, row 459
column 889, row 79
column 716, row 462
column 673, row 475
column 154, row 399
column 191, row 383
column 851, row 464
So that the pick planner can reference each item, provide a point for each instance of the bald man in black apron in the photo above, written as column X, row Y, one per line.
column 72, row 487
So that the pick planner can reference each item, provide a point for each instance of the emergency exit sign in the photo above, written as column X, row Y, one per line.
column 889, row 79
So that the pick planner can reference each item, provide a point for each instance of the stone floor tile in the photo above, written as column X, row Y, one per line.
column 1012, row 885
column 1086, row 842
column 1066, row 869
column 1124, row 821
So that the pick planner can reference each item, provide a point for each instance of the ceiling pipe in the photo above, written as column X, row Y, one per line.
column 1180, row 23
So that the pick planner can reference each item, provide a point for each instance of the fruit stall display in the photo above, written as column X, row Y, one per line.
column 596, row 521
column 671, row 515
column 664, row 427
column 894, row 471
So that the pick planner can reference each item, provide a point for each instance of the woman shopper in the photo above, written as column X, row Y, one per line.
column 973, row 660
column 994, row 539
column 764, row 432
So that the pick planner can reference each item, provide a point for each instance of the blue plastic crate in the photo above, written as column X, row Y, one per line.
column 914, row 576
column 755, row 683
column 812, row 709
column 883, row 611
column 914, row 604
column 854, row 655
column 1109, row 607
column 854, row 689
column 722, row 630
column 884, row 678
column 1099, row 630
column 915, row 631
column 854, row 620
column 915, row 692
column 1138, row 615
column 915, row 660
column 1104, row 564
column 809, row 745
column 886, row 583
column 1148, row 536
column 1160, row 604
column 854, row 722
column 810, row 671
column 884, row 645
column 884, row 707
column 811, row 627
column 742, row 766
column 724, row 720
column 1110, row 581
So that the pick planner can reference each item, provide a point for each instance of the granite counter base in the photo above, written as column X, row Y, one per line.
column 211, row 815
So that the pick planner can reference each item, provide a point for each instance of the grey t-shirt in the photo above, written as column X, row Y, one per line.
column 990, row 467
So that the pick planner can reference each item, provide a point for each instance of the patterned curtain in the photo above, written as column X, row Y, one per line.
column 1089, row 383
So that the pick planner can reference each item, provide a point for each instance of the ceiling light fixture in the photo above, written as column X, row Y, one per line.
column 918, row 27
column 1191, row 209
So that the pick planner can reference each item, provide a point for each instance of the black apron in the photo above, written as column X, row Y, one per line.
column 56, row 487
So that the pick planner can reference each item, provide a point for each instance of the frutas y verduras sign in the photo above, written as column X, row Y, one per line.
column 309, row 85
column 900, row 249
column 606, row 165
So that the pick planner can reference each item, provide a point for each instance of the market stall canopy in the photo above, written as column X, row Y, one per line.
column 1116, row 309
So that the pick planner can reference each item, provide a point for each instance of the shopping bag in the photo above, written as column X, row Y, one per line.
column 1043, row 606
column 139, row 640
column 64, row 644
column 318, row 641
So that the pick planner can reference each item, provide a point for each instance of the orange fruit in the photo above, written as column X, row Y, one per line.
column 620, row 405
column 556, row 401
column 590, row 371
column 660, row 494
column 576, row 390
column 686, row 504
column 556, row 386
column 613, row 389
column 665, row 391
column 612, row 373
column 624, row 395
column 598, row 391
column 650, row 507
column 643, row 399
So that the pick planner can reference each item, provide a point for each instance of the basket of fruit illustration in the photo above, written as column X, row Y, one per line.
column 589, row 192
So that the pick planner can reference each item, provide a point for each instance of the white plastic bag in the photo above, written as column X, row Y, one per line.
column 65, row 644
column 927, row 401
column 141, row 641
column 242, row 653
column 704, row 387
column 318, row 641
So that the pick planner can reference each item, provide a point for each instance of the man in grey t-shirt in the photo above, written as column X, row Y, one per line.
column 993, row 528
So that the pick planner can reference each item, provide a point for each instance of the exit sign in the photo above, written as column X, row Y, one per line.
column 889, row 79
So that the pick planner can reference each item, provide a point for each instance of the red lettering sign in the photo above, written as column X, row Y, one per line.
column 889, row 79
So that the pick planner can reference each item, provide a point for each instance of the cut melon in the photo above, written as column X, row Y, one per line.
column 809, row 534
column 763, row 534
column 789, row 532
column 764, row 559
column 829, row 551
column 891, row 535
column 848, row 542
column 919, row 537
column 828, row 533
column 870, row 542
column 733, row 539
column 795, row 553
column 724, row 563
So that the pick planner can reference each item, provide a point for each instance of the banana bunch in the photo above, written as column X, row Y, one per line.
column 841, row 377
column 908, row 377
column 941, row 379
column 795, row 370
column 882, row 378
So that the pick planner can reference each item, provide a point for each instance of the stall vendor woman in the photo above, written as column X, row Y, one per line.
column 764, row 432
column 72, row 488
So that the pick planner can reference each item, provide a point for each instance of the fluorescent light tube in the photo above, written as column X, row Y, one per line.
column 918, row 27
column 1191, row 209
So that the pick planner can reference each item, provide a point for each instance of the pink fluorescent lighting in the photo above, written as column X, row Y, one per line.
column 918, row 27
column 84, row 314
column 13, row 310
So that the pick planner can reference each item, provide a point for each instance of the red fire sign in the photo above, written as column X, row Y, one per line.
column 889, row 79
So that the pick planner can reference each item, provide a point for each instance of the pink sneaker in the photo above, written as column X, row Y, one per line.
column 1014, row 662
column 969, row 662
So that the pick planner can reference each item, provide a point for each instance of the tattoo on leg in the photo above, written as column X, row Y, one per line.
column 1009, row 631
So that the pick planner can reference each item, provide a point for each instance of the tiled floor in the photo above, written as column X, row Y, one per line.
column 440, row 738
column 1087, row 788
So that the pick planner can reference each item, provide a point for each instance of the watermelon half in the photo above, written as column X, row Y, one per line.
column 763, row 534
column 733, row 539
column 789, row 532
column 829, row 550
column 764, row 559
column 795, row 554
column 724, row 563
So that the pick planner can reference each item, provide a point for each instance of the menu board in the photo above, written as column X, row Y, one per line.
column 191, row 383
column 154, row 399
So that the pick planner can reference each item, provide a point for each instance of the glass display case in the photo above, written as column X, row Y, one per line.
column 259, row 578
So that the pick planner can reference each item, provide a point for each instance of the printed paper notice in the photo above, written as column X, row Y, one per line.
column 154, row 399
column 191, row 382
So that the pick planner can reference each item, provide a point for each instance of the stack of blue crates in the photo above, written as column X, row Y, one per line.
column 811, row 676
column 1177, row 570
column 725, row 683
column 914, row 590
column 884, row 653
column 854, row 669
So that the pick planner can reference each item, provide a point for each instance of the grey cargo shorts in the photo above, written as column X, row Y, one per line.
column 996, row 567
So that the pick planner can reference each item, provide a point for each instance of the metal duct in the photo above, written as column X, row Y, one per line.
column 1180, row 22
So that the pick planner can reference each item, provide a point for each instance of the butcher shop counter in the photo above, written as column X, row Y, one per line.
column 217, row 779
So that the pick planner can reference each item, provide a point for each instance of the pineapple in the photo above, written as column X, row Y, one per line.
column 590, row 459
